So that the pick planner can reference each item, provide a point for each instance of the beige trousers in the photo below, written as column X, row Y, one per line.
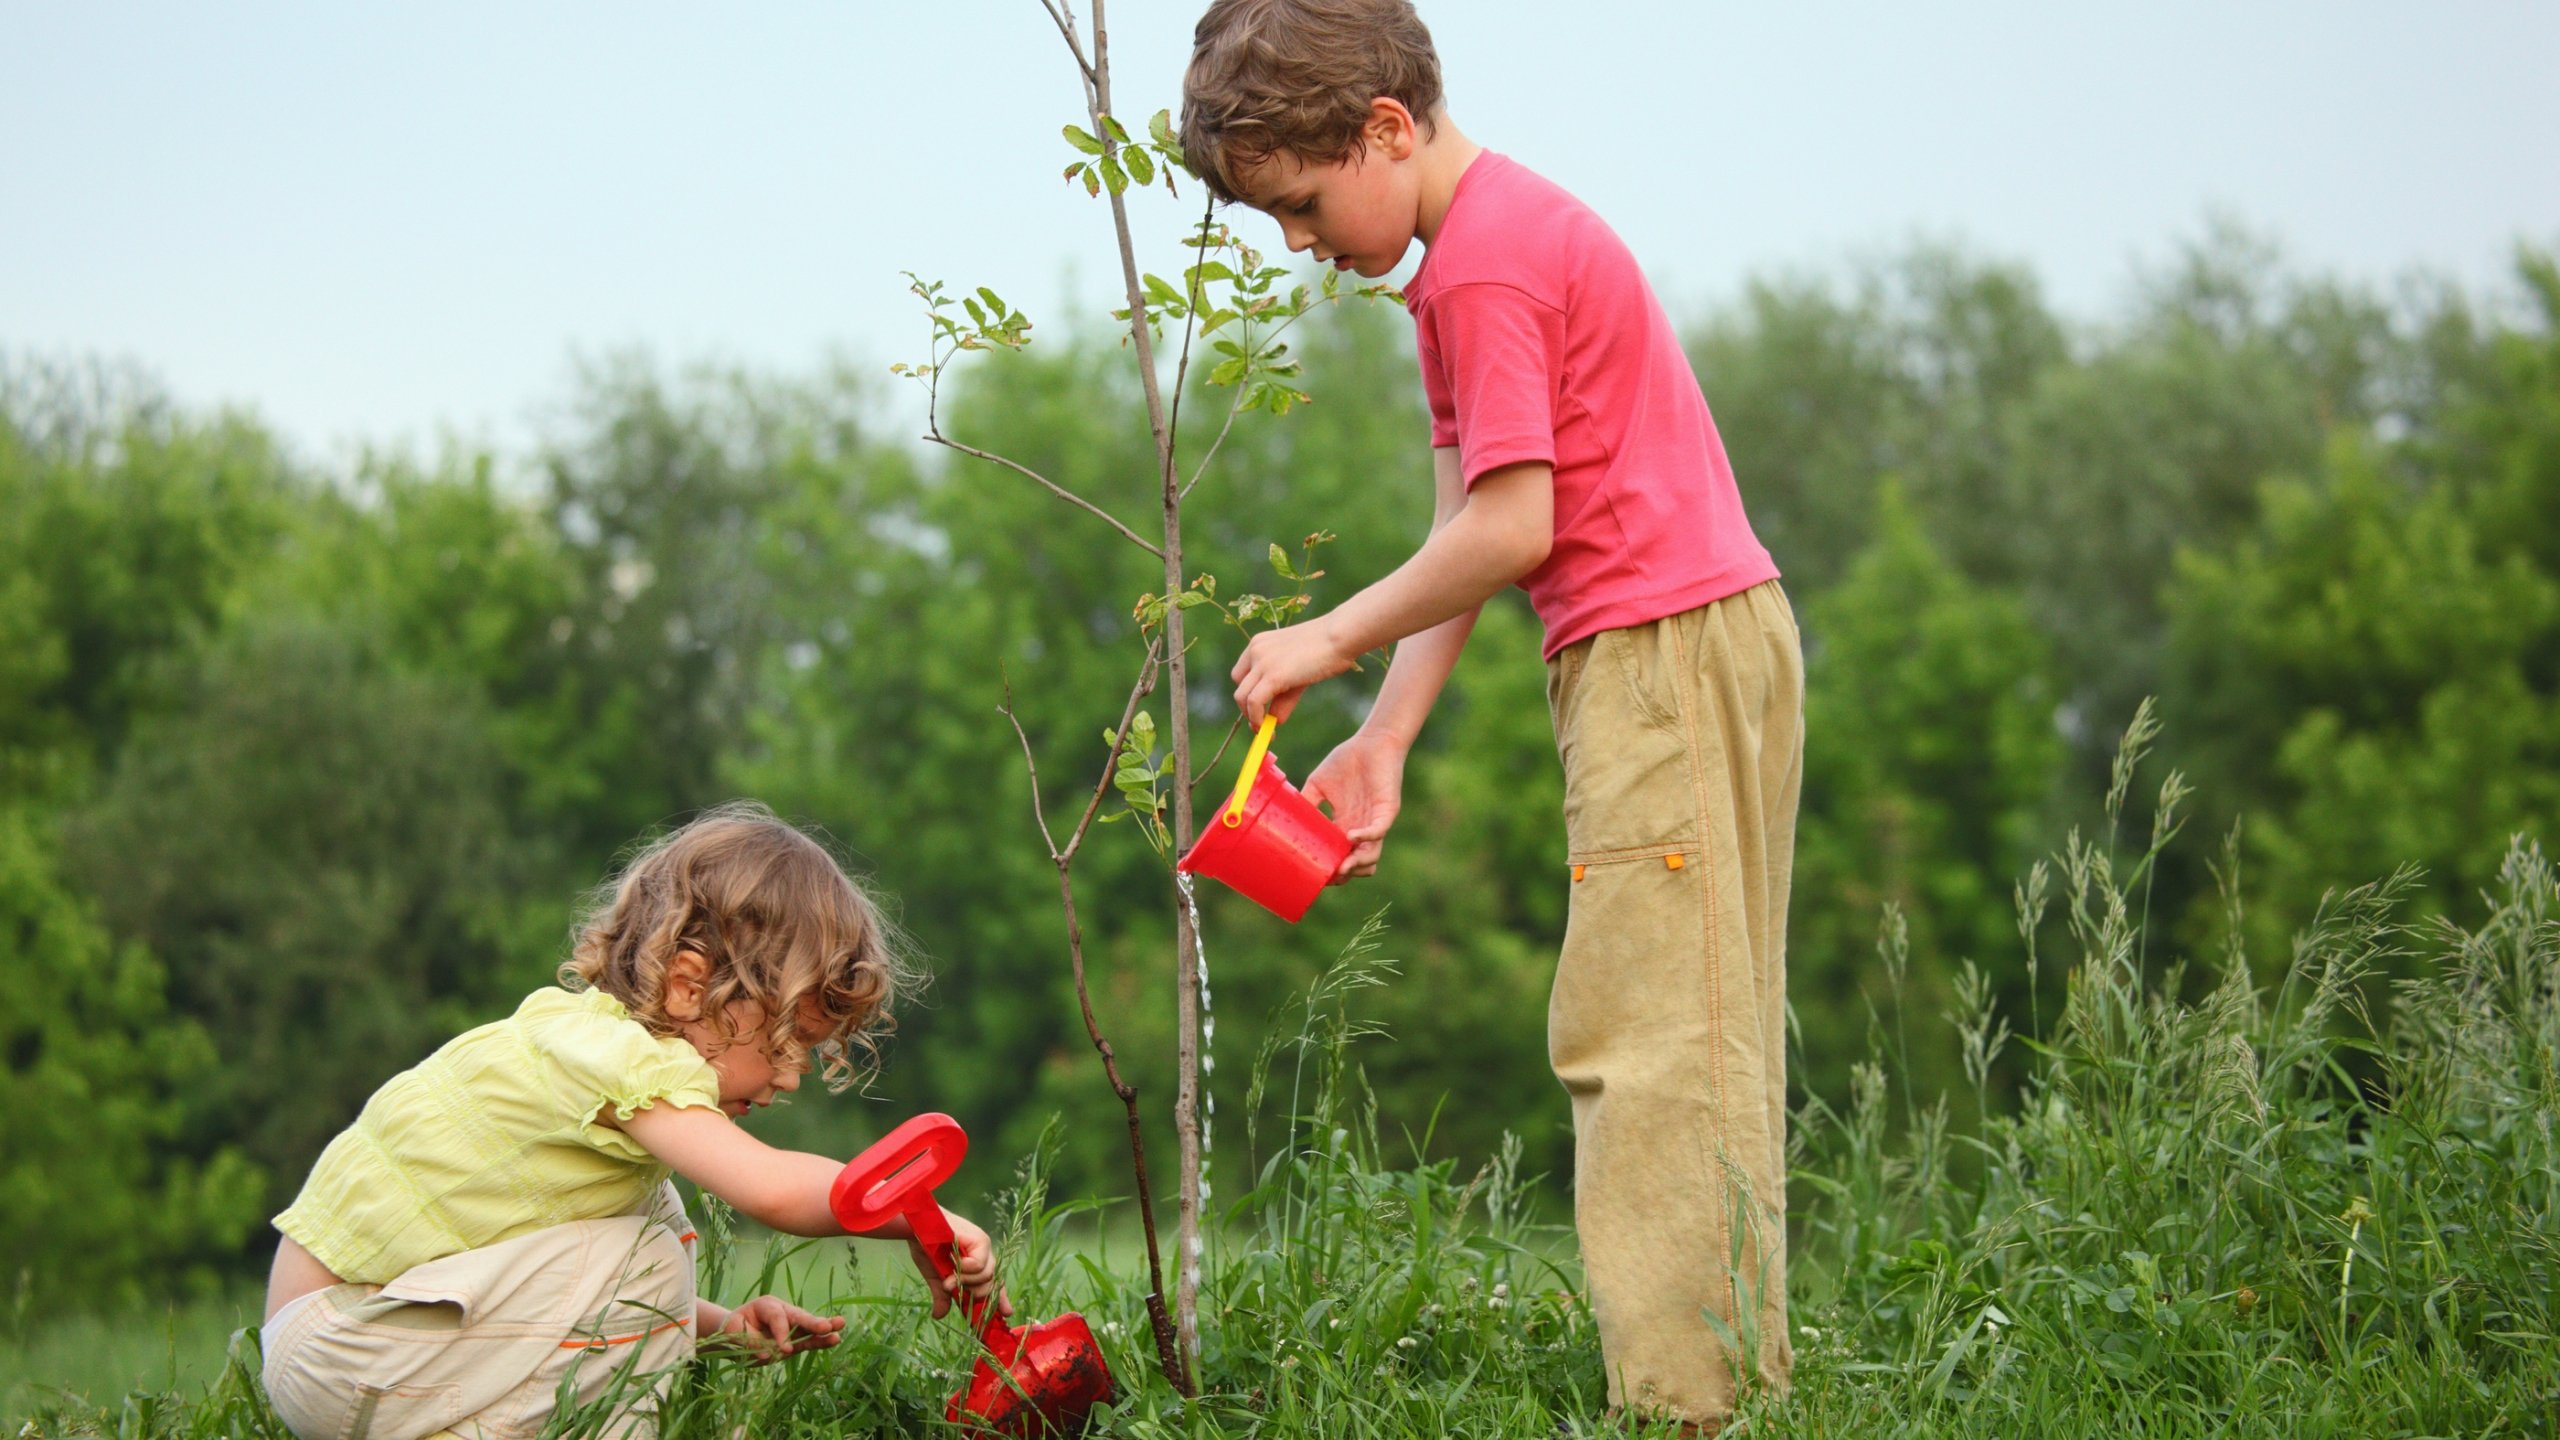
column 1683, row 744
column 481, row 1344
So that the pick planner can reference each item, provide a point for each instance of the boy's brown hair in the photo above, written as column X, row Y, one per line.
column 775, row 917
column 1296, row 77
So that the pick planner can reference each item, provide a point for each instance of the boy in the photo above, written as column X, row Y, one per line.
column 1573, row 455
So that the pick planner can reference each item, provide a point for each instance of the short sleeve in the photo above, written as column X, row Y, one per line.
column 598, row 1056
column 1494, row 347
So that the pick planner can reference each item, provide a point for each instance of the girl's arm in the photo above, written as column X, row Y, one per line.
column 787, row 1190
column 768, row 1326
column 784, row 1190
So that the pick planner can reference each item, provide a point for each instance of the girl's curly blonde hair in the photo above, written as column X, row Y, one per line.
column 776, row 919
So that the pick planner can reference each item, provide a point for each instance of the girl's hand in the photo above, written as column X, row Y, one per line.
column 973, row 1265
column 1278, row 664
column 1363, row 782
column 773, row 1327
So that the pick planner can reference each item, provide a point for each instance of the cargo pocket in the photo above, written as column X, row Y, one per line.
column 402, row 1412
column 1628, row 793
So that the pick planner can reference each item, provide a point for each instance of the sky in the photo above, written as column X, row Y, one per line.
column 389, row 225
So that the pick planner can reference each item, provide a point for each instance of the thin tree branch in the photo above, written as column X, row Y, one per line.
column 1040, row 812
column 1119, row 742
column 1168, row 1347
column 1236, row 408
column 1054, row 488
column 1177, row 1336
column 1211, row 768
column 1065, row 17
column 1191, row 289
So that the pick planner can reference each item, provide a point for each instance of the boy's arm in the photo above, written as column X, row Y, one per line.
column 1499, row 531
column 1423, row 662
column 1363, row 779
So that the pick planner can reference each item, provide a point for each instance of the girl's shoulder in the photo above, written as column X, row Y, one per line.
column 590, row 1049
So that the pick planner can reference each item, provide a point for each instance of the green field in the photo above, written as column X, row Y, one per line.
column 2212, row 1209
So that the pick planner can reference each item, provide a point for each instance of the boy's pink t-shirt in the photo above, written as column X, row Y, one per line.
column 1540, row 340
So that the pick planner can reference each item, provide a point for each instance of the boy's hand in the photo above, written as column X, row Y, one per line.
column 1363, row 781
column 773, row 1327
column 1278, row 664
column 973, row 1265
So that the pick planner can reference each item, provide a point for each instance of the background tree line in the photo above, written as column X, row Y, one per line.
column 303, row 770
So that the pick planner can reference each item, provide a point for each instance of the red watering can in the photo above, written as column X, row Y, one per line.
column 1268, row 842
column 1040, row 1381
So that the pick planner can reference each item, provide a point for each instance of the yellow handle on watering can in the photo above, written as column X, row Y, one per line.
column 1252, row 771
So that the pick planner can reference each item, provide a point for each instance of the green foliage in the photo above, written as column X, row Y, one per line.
column 2394, row 650
column 362, row 738
column 122, row 530
column 313, row 843
column 96, row 1079
column 1930, row 767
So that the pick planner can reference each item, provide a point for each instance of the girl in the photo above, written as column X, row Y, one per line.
column 496, row 1232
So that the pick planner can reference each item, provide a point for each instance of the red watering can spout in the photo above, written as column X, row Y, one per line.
column 1052, row 1374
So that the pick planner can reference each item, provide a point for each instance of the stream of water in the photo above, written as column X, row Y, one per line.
column 1208, row 1036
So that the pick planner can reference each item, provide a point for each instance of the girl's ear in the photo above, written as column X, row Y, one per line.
column 687, row 974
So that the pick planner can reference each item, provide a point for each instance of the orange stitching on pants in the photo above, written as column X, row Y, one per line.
column 1689, row 733
column 599, row 1342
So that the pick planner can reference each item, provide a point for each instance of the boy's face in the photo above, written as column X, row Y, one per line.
column 1359, row 213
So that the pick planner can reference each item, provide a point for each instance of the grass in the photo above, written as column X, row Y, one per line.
column 174, row 1348
column 2209, row 1208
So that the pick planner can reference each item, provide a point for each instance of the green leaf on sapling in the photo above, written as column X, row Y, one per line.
column 1280, row 562
column 1082, row 141
column 1141, row 169
column 1113, row 175
column 1113, row 128
column 1160, row 129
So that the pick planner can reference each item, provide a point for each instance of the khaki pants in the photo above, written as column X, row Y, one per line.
column 480, row 1344
column 1683, row 743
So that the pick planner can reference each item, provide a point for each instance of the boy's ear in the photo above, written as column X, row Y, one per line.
column 687, row 974
column 1390, row 129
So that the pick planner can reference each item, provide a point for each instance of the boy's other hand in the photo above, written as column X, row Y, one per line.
column 772, row 1327
column 973, row 1266
column 1362, row 781
column 1279, row 664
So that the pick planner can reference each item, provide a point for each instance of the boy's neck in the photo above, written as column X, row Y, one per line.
column 1444, row 156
